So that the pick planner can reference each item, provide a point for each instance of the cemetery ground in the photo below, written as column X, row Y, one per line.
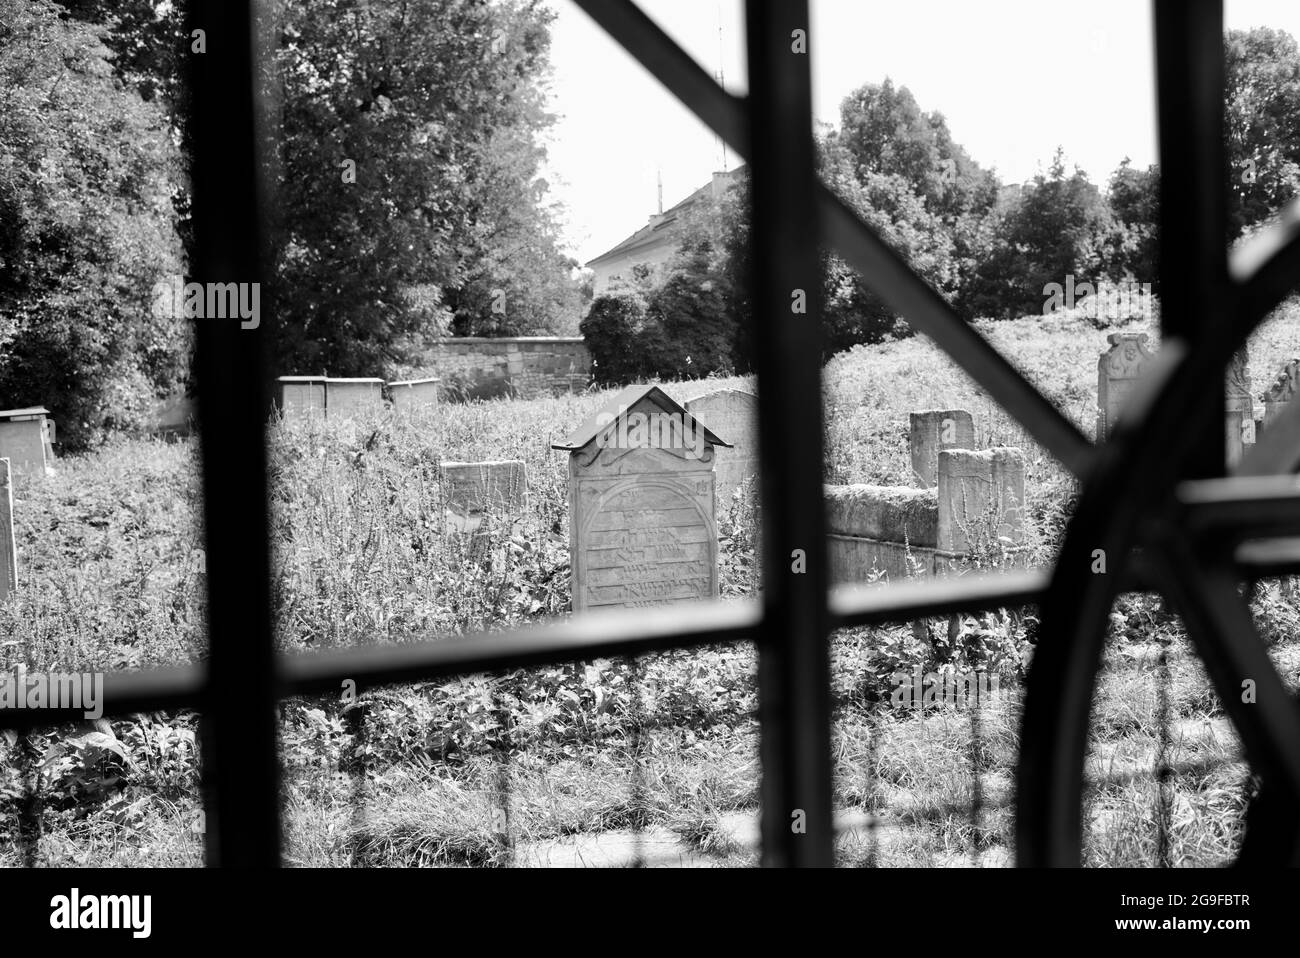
column 591, row 753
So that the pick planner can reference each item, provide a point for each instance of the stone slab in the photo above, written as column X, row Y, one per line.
column 733, row 415
column 931, row 430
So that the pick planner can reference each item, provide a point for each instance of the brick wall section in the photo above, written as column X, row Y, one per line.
column 524, row 366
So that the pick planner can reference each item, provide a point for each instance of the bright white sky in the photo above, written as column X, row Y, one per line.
column 1014, row 78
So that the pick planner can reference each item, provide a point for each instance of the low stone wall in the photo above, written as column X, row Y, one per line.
column 475, row 367
column 901, row 532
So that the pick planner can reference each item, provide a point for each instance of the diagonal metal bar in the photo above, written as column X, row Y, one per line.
column 842, row 229
column 926, row 311
column 1266, row 268
column 1221, row 628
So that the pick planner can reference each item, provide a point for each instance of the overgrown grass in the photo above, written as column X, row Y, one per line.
column 112, row 579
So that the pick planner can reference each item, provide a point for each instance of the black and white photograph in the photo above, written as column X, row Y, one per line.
column 517, row 435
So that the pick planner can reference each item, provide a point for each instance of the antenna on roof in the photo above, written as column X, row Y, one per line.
column 661, row 191
column 720, row 77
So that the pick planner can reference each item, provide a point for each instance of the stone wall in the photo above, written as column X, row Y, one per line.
column 473, row 367
column 902, row 531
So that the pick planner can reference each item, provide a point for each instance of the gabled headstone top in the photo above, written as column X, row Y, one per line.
column 642, row 513
column 643, row 400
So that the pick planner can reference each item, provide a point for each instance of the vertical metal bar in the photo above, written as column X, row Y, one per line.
column 1194, row 284
column 794, row 670
column 240, row 769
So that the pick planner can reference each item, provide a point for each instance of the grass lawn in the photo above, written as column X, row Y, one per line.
column 600, row 762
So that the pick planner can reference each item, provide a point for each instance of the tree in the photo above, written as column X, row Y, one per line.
column 87, row 229
column 407, row 165
column 852, row 312
column 1262, row 117
column 1134, row 200
column 1054, row 227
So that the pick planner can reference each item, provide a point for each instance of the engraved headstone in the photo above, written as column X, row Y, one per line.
column 642, row 503
column 932, row 430
column 473, row 491
column 1117, row 372
column 8, row 545
column 414, row 393
column 735, row 415
column 25, row 436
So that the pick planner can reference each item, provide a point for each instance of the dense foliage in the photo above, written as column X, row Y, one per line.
column 87, row 227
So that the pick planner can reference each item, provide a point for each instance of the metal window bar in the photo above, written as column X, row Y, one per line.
column 237, row 690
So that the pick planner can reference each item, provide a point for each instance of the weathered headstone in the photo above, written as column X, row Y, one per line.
column 1282, row 391
column 734, row 414
column 642, row 503
column 25, row 440
column 1239, row 405
column 1118, row 371
column 981, row 498
column 8, row 544
column 347, row 397
column 414, row 393
column 302, row 396
column 932, row 430
column 472, row 491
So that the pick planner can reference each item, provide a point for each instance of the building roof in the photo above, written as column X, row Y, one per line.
column 606, row 417
column 661, row 225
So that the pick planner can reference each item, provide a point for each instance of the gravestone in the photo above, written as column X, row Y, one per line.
column 348, row 397
column 8, row 544
column 1239, row 405
column 932, row 430
column 25, row 440
column 473, row 491
column 302, row 396
column 411, row 394
column 981, row 498
column 1282, row 391
column 735, row 415
column 642, row 503
column 1118, row 371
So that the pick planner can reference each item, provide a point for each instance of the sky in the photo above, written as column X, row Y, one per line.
column 1013, row 78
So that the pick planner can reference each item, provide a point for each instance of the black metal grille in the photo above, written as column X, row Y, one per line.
column 238, row 687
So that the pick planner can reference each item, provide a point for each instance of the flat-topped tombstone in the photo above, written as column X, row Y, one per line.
column 932, row 430
column 414, row 393
column 474, row 491
column 25, row 437
column 734, row 414
column 981, row 498
column 8, row 544
column 1118, row 371
column 642, row 503
column 346, row 397
column 302, row 396
column 1282, row 391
